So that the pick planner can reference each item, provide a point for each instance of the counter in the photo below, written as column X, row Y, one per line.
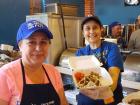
column 130, row 77
column 71, row 96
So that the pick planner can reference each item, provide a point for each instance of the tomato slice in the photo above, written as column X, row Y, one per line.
column 78, row 76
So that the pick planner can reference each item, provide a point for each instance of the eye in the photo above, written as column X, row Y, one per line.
column 95, row 28
column 86, row 28
column 31, row 42
column 44, row 42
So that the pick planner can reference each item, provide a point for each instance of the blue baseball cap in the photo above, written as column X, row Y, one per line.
column 114, row 24
column 90, row 18
column 26, row 29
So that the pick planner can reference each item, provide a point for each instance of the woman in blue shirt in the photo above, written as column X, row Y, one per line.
column 107, row 53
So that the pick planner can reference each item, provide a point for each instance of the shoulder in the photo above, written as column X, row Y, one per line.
column 83, row 51
column 109, row 45
column 11, row 68
column 8, row 80
column 136, row 32
column 51, row 69
column 111, row 48
column 54, row 76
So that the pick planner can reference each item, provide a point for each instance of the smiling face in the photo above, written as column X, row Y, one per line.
column 34, row 50
column 116, row 31
column 92, row 32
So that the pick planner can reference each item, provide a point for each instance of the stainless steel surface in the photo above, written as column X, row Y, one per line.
column 64, row 70
column 64, row 59
column 67, row 9
column 54, row 23
column 127, row 91
column 131, row 79
column 131, row 74
column 132, row 62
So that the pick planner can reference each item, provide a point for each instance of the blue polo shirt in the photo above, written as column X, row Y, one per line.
column 110, row 56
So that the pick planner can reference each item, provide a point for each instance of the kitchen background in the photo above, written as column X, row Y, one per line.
column 13, row 13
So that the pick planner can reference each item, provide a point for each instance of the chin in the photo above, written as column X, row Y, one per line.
column 38, row 60
column 93, row 41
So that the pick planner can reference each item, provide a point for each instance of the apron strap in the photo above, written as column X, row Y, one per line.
column 46, row 73
column 23, row 72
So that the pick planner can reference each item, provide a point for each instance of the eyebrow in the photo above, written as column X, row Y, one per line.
column 32, row 38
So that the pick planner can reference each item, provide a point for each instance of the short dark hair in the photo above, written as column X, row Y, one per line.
column 90, row 18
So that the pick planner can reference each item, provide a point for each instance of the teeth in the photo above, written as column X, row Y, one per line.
column 92, row 36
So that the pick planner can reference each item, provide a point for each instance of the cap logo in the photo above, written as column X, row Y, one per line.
column 34, row 24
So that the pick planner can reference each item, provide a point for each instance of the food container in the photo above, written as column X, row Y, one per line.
column 6, row 47
column 132, row 98
column 87, row 73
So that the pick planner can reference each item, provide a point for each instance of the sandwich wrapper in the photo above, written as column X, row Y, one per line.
column 90, row 78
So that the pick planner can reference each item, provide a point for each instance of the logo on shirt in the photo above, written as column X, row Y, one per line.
column 47, row 103
column 18, row 103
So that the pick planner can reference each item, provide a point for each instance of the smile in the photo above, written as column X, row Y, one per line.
column 92, row 36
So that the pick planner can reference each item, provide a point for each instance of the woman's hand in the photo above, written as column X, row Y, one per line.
column 98, row 93
column 63, row 100
column 92, row 93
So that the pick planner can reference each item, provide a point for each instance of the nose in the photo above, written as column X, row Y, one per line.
column 38, row 47
column 120, row 31
column 91, row 31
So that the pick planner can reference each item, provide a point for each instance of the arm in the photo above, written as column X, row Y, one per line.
column 114, row 72
column 4, row 89
column 58, row 85
column 131, row 41
column 2, row 102
column 63, row 100
column 115, row 64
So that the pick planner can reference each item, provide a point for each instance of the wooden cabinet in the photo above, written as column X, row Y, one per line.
column 35, row 6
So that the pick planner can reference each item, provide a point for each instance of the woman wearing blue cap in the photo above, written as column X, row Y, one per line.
column 28, row 81
column 108, row 54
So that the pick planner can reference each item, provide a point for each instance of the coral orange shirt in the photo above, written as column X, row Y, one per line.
column 11, row 82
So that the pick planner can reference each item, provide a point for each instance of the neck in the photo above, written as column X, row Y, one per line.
column 32, row 67
column 95, row 45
